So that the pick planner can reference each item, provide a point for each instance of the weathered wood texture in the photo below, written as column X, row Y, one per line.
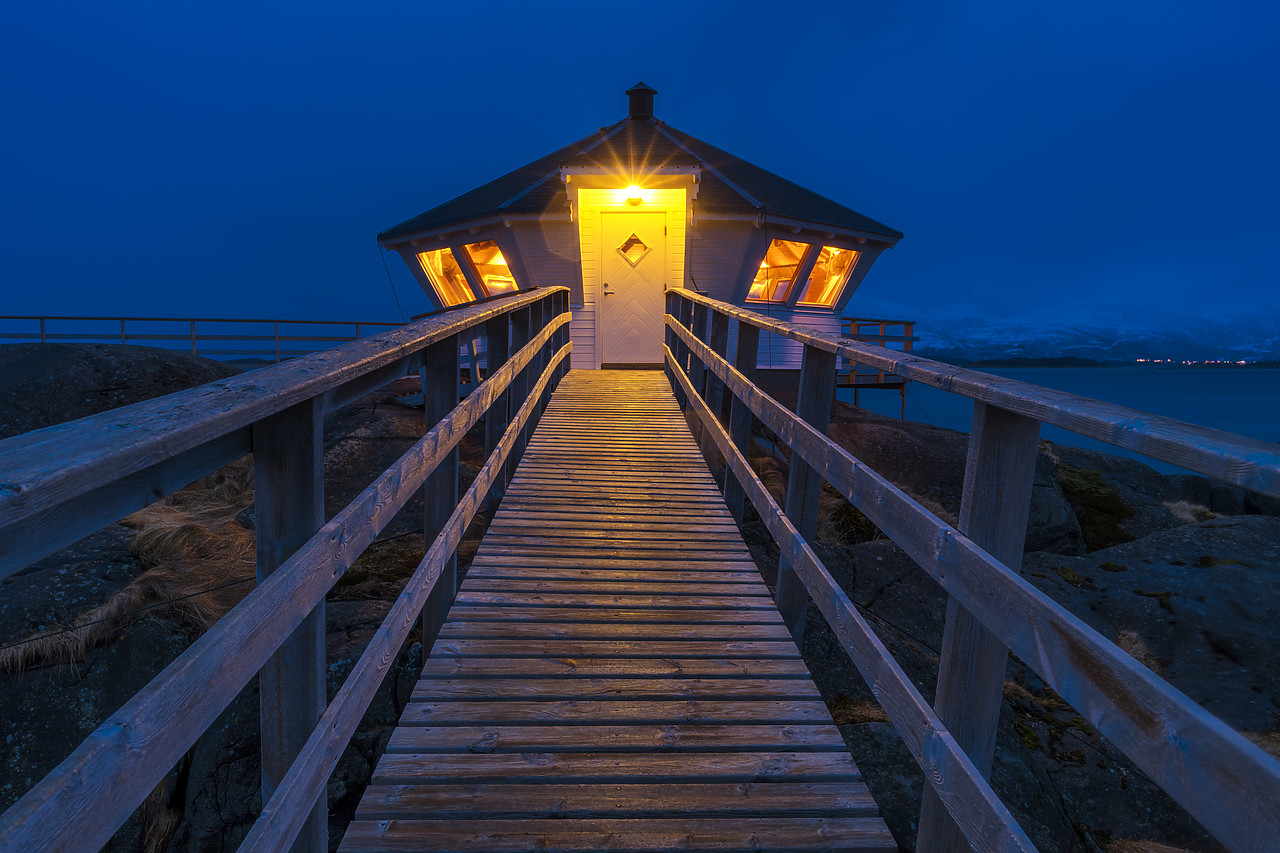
column 95, row 789
column 281, row 816
column 984, row 820
column 1235, row 459
column 622, row 696
column 63, row 482
column 288, row 460
column 1228, row 784
column 997, row 499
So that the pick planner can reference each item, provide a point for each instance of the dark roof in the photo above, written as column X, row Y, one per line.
column 728, row 184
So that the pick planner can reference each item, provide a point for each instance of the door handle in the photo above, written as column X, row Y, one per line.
column 607, row 291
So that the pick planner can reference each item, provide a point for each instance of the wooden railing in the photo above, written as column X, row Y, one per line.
column 1225, row 782
column 206, row 336
column 59, row 483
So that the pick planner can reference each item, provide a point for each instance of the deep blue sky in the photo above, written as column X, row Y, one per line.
column 237, row 159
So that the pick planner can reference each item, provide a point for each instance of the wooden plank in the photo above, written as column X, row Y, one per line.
column 613, row 689
column 685, row 602
column 288, row 463
column 485, row 572
column 601, row 768
column 635, row 712
column 687, row 801
column 613, row 834
column 621, row 586
column 520, row 613
column 621, row 648
column 649, row 739
column 656, row 630
column 614, row 667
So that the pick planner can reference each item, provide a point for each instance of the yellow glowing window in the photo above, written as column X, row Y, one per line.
column 442, row 268
column 777, row 271
column 491, row 267
column 828, row 277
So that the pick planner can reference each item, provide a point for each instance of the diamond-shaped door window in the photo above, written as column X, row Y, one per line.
column 633, row 250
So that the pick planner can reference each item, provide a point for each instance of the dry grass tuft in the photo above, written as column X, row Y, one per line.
column 193, row 547
column 1131, row 846
column 1132, row 644
column 1189, row 513
column 1268, row 742
column 852, row 712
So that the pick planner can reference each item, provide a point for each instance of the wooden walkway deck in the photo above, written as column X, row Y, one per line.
column 614, row 674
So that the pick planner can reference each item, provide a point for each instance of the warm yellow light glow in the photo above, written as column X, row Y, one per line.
column 495, row 275
column 828, row 277
column 777, row 270
column 633, row 195
column 442, row 268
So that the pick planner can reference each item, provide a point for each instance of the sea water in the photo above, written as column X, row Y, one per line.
column 1245, row 401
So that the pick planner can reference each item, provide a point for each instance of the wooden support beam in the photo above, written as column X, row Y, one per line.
column 993, row 513
column 288, row 461
column 440, row 492
column 740, row 417
column 804, row 484
column 498, row 344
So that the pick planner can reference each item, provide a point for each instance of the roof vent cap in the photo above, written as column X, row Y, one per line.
column 641, row 100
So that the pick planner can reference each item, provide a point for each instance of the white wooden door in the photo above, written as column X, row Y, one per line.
column 634, row 269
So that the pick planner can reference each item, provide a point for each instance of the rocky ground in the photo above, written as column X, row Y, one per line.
column 1179, row 571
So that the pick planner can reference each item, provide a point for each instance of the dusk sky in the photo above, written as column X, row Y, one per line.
column 237, row 159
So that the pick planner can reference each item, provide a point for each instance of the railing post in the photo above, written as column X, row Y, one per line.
column 439, row 374
column 718, row 340
column 521, row 319
column 740, row 417
column 804, row 485
column 43, row 337
column 288, row 460
column 277, row 340
column 123, row 338
column 993, row 513
column 562, row 336
column 497, row 342
column 674, row 301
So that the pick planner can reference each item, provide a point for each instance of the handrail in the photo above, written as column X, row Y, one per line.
column 98, row 786
column 989, row 826
column 1224, row 781
column 1244, row 462
column 149, row 449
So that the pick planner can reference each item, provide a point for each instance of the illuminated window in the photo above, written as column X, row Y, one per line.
column 777, row 271
column 828, row 277
column 442, row 268
column 491, row 267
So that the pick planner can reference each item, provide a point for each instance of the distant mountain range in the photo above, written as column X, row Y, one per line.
column 964, row 332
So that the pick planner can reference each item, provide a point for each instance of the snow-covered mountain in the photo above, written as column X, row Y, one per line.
column 1112, row 331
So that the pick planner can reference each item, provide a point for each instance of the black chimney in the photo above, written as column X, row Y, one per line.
column 641, row 97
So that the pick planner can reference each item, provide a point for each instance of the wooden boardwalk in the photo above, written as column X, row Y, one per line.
column 614, row 674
